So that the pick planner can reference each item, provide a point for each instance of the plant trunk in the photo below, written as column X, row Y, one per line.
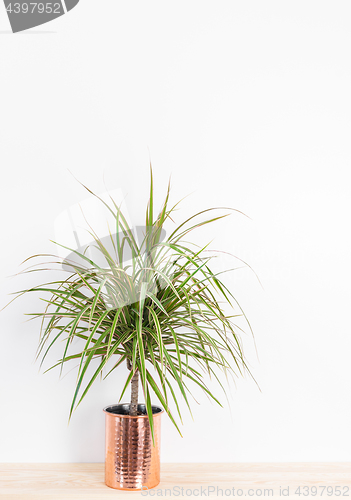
column 133, row 409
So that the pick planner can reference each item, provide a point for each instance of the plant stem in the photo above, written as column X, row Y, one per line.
column 133, row 409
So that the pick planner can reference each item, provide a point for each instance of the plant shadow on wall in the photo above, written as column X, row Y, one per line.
column 160, row 311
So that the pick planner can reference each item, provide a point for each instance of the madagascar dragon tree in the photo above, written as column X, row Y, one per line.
column 162, row 312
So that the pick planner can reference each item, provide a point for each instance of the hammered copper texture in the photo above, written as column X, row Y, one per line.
column 132, row 462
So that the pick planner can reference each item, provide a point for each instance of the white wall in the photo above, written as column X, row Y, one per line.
column 247, row 104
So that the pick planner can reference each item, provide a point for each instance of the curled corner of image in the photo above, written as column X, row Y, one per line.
column 24, row 14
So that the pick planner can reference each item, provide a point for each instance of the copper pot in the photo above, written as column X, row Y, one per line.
column 132, row 462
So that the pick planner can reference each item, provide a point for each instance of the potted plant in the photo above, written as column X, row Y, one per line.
column 162, row 313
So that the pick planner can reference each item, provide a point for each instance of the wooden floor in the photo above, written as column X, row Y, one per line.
column 260, row 480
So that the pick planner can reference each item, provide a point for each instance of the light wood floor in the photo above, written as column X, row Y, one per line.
column 253, row 480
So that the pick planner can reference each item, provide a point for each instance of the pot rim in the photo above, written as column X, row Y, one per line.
column 121, row 415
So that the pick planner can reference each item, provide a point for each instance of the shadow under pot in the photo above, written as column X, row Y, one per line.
column 132, row 462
